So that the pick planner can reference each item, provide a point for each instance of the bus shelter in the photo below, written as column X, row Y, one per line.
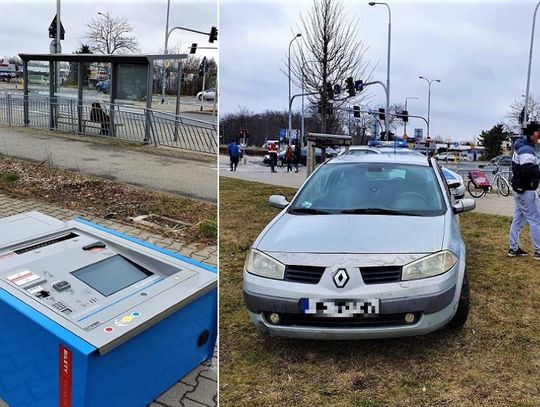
column 127, row 77
column 322, row 141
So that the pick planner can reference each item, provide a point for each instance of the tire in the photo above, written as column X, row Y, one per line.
column 462, row 312
column 474, row 191
column 503, row 186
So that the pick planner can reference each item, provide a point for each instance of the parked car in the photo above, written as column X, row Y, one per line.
column 502, row 160
column 104, row 86
column 208, row 94
column 453, row 178
column 343, row 260
column 330, row 152
column 446, row 157
column 359, row 150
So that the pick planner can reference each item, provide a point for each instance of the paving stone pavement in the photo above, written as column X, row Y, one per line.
column 198, row 388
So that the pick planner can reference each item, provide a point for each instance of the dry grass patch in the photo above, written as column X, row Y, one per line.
column 493, row 361
column 113, row 200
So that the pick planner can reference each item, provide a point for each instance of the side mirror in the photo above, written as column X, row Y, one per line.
column 279, row 201
column 464, row 205
column 453, row 185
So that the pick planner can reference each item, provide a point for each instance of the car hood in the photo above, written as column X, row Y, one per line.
column 353, row 234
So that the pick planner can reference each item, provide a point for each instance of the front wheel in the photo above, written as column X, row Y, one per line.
column 474, row 190
column 462, row 312
column 503, row 186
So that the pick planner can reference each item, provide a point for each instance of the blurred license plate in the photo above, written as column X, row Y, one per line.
column 339, row 308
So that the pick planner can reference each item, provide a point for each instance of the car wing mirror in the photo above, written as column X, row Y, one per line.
column 464, row 205
column 278, row 201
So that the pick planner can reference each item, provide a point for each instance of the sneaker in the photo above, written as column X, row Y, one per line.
column 536, row 256
column 519, row 252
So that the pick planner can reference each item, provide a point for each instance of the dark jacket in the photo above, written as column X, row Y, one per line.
column 233, row 150
column 525, row 170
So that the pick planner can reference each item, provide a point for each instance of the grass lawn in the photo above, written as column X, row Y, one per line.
column 493, row 361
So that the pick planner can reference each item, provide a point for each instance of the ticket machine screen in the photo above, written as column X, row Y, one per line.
column 111, row 275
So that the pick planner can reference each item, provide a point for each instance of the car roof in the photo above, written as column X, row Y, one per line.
column 381, row 158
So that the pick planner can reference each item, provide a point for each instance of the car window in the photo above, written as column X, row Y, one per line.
column 370, row 188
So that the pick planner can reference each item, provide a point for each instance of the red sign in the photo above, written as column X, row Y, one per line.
column 66, row 376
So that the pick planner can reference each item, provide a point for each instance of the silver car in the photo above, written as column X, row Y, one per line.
column 369, row 247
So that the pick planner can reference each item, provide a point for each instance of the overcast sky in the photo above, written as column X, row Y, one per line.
column 24, row 24
column 479, row 50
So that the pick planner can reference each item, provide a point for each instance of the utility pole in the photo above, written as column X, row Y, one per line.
column 165, row 51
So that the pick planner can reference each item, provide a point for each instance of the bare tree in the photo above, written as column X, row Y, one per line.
column 329, row 39
column 107, row 35
column 514, row 117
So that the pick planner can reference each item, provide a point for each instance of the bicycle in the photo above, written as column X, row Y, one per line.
column 479, row 183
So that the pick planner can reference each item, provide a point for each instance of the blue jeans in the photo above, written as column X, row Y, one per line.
column 526, row 210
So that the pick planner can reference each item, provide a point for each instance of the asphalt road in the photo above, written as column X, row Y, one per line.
column 192, row 178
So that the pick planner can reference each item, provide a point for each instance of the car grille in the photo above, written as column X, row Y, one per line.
column 359, row 321
column 370, row 275
column 381, row 274
column 304, row 274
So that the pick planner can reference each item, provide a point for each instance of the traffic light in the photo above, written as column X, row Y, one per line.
column 359, row 86
column 405, row 116
column 356, row 111
column 213, row 34
column 337, row 89
column 203, row 67
column 193, row 48
column 329, row 108
column 381, row 113
column 350, row 86
column 319, row 108
column 329, row 90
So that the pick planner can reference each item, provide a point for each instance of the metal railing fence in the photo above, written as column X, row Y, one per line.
column 125, row 122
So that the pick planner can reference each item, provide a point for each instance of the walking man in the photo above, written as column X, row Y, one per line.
column 234, row 154
column 297, row 156
column 525, row 179
column 272, row 151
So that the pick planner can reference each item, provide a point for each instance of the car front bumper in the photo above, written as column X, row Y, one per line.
column 434, row 301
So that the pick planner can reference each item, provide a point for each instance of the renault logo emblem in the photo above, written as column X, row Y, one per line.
column 341, row 278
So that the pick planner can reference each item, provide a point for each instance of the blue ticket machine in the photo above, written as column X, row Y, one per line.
column 91, row 317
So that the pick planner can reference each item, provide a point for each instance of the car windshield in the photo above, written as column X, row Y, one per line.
column 371, row 188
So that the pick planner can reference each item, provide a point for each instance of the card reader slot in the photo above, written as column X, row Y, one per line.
column 45, row 243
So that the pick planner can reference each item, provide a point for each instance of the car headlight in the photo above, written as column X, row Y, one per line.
column 263, row 265
column 430, row 266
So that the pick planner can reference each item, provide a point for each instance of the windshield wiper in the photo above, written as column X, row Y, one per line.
column 378, row 211
column 310, row 211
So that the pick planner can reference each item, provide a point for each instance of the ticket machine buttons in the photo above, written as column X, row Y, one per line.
column 61, row 285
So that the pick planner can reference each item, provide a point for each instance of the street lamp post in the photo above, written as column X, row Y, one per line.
column 289, row 74
column 386, row 124
column 529, row 68
column 405, row 124
column 429, row 81
column 165, row 51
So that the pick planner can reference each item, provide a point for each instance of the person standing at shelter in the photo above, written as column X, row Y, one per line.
column 234, row 154
column 272, row 152
column 525, row 180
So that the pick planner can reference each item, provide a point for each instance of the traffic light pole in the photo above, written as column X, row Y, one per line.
column 203, row 84
column 166, row 51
